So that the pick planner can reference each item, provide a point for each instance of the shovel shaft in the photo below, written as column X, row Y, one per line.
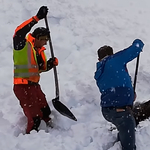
column 52, row 55
column 136, row 72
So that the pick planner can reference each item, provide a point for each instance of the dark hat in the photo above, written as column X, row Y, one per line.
column 104, row 51
column 41, row 33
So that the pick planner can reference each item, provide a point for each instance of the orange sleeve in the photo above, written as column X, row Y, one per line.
column 35, row 18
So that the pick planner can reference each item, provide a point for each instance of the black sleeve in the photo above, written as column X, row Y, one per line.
column 49, row 65
column 19, row 39
column 41, row 63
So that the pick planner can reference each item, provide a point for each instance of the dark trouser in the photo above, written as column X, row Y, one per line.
column 34, row 104
column 125, row 123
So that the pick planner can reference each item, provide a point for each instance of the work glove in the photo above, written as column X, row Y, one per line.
column 42, row 12
column 53, row 61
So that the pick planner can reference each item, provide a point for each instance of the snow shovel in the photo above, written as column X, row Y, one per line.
column 141, row 111
column 61, row 108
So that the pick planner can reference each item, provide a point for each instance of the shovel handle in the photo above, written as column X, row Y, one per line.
column 136, row 72
column 52, row 54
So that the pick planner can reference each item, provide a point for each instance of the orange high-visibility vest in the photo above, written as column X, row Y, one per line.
column 25, row 63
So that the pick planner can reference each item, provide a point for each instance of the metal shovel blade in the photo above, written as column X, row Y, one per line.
column 62, row 109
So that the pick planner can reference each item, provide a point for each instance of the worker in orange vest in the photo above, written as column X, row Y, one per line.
column 29, row 61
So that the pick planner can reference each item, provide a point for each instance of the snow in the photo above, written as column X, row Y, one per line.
column 78, row 29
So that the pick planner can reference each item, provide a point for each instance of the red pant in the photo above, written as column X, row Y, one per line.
column 34, row 104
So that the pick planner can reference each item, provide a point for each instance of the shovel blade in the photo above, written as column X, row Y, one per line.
column 62, row 109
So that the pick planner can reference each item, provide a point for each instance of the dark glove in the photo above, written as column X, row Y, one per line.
column 42, row 12
column 53, row 61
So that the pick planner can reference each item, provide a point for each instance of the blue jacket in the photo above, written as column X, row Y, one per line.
column 112, row 77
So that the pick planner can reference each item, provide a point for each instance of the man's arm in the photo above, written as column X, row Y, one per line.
column 130, row 53
column 51, row 63
column 19, row 38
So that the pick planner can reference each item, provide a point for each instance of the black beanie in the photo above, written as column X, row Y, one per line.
column 40, row 31
column 104, row 51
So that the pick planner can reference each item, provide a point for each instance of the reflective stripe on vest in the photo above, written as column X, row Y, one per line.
column 25, row 75
column 24, row 66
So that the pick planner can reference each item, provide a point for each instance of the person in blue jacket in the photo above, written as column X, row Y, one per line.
column 117, row 94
